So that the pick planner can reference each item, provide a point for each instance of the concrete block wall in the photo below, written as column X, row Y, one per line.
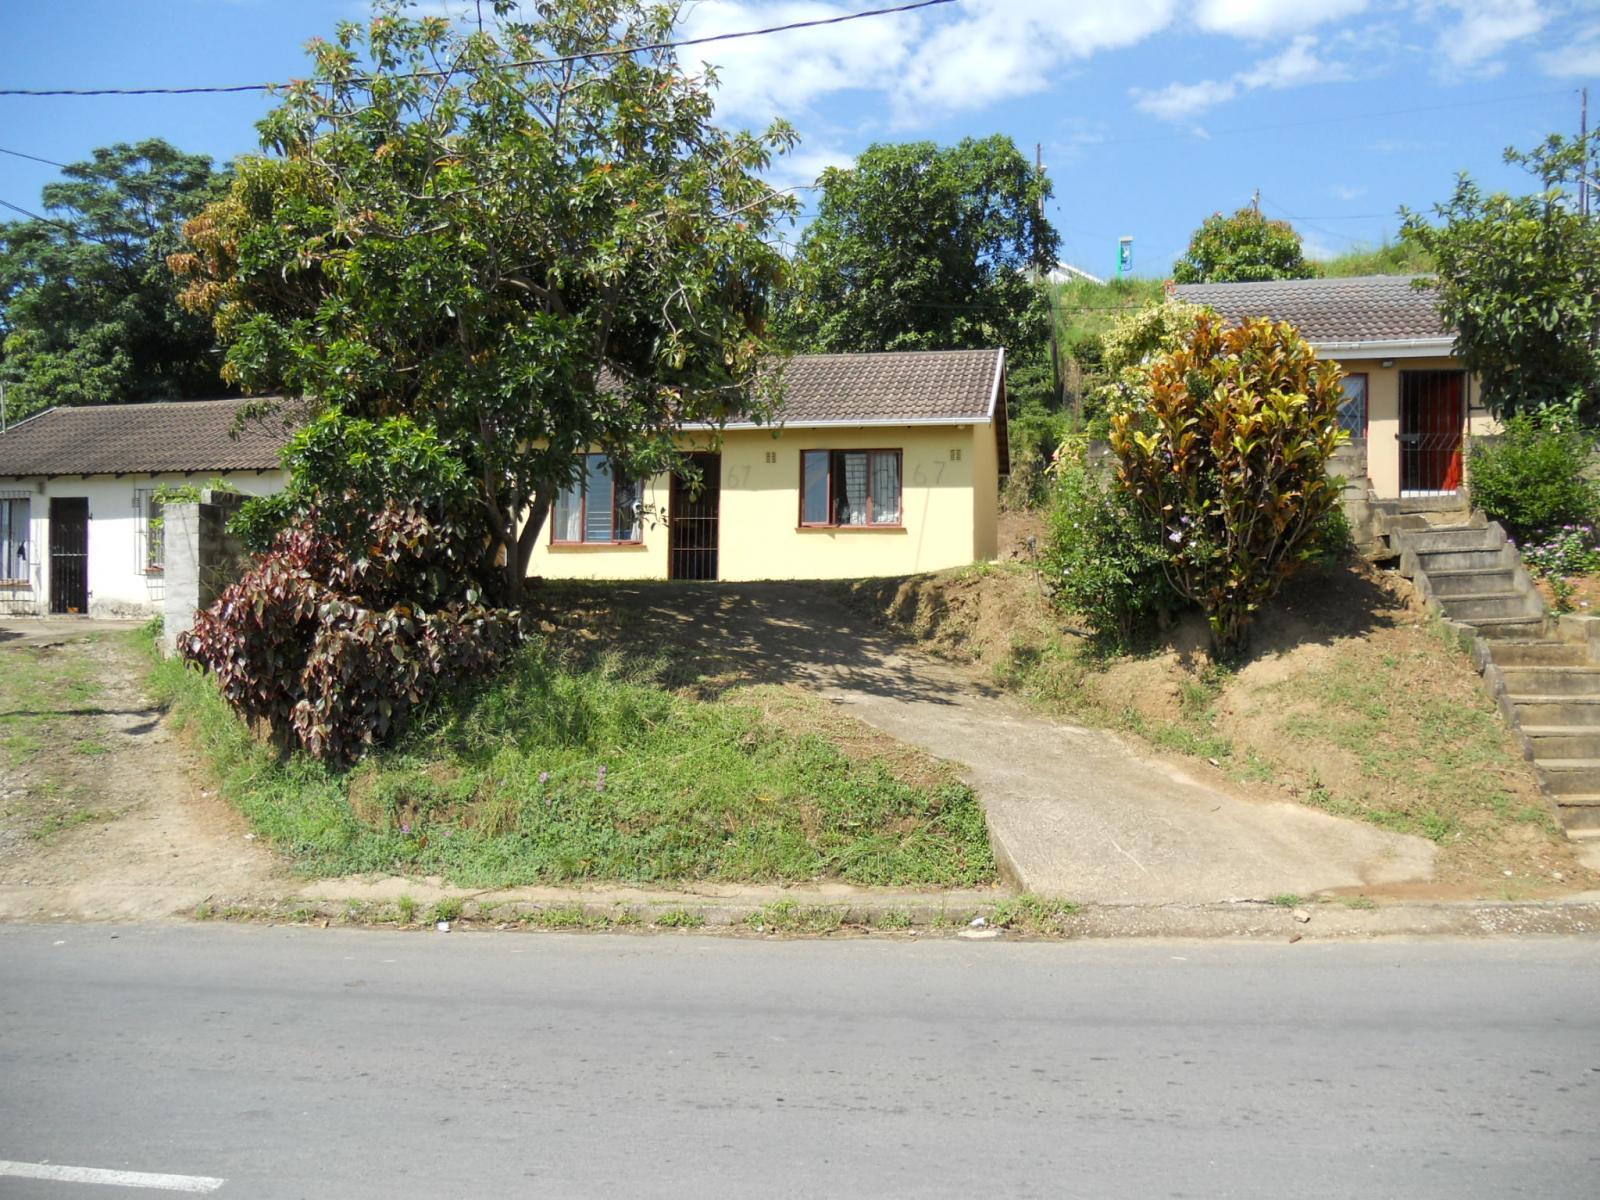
column 202, row 558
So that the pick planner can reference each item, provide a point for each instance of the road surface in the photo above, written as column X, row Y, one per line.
column 351, row 1064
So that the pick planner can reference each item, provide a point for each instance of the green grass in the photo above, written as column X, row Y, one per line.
column 1037, row 915
column 1391, row 258
column 1285, row 900
column 551, row 774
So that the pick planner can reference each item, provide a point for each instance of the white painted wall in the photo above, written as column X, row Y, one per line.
column 118, row 584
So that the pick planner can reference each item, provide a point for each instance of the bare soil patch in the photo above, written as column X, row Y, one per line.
column 99, row 811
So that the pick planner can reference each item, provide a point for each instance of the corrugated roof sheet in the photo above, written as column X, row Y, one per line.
column 1363, row 308
column 111, row 439
column 899, row 385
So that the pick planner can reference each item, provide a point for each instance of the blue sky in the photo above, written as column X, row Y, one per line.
column 1152, row 113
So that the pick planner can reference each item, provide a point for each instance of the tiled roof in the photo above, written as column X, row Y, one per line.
column 1363, row 308
column 901, row 385
column 109, row 439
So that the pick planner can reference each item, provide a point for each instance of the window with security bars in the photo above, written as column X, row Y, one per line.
column 151, row 551
column 845, row 488
column 14, row 514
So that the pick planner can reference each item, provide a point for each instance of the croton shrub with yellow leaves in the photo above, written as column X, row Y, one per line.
column 1226, row 450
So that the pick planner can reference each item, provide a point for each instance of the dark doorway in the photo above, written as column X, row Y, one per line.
column 692, row 517
column 69, row 554
column 1432, row 412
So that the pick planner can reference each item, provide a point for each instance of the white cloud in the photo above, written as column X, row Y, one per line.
column 1481, row 29
column 1347, row 193
column 1297, row 64
column 1266, row 18
column 1580, row 59
column 763, row 77
column 998, row 49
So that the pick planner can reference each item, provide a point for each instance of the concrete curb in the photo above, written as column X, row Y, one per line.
column 811, row 912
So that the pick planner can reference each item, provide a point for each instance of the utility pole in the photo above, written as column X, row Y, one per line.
column 1255, row 201
column 2, row 408
column 1042, row 279
column 1583, row 141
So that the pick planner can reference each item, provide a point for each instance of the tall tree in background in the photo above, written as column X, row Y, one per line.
column 922, row 247
column 88, row 309
column 1519, row 281
column 1243, row 248
column 526, row 250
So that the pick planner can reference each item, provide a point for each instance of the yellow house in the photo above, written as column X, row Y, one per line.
column 1409, row 407
column 876, row 464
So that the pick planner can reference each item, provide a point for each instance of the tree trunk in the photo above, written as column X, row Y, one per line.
column 515, row 567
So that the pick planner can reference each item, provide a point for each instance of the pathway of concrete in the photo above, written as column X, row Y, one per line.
column 1072, row 811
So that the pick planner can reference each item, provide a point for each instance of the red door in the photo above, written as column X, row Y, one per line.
column 1432, row 413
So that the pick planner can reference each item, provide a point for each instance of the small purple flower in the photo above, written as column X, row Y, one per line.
column 405, row 829
column 544, row 776
column 1175, row 537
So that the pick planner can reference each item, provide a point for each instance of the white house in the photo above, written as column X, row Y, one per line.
column 80, row 528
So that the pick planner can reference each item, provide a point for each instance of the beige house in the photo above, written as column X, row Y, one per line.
column 1409, row 407
column 876, row 464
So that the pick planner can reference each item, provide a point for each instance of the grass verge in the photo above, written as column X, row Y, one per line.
column 551, row 774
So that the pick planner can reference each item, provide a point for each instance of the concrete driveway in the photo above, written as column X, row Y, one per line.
column 1072, row 811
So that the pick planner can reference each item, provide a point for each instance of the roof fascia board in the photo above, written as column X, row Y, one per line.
column 999, row 378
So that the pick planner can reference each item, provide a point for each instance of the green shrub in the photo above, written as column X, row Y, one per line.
column 1531, row 479
column 1226, row 449
column 1105, row 558
column 1036, row 436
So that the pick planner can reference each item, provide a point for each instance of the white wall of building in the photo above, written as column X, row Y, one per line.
column 119, row 584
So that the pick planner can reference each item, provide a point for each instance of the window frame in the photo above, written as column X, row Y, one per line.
column 8, row 559
column 833, row 456
column 1366, row 401
column 148, row 509
column 583, row 511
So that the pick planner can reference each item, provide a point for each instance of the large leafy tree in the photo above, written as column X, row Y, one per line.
column 1243, row 248
column 529, row 249
column 919, row 246
column 88, row 308
column 1518, row 278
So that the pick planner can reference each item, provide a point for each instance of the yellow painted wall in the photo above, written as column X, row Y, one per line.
column 949, row 511
column 1383, row 414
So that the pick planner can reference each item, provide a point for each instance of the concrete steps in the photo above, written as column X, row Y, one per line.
column 1548, row 687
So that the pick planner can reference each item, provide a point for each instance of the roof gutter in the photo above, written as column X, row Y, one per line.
column 999, row 378
column 1429, row 347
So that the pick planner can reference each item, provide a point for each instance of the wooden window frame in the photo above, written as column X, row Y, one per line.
column 583, row 514
column 1366, row 401
column 900, row 456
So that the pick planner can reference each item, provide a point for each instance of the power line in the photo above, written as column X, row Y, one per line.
column 49, row 162
column 614, row 52
column 33, row 216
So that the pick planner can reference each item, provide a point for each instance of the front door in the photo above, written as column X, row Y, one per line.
column 69, row 554
column 692, row 520
column 1433, row 409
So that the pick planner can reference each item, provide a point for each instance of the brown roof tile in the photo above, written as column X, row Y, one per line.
column 110, row 439
column 889, row 387
column 1363, row 308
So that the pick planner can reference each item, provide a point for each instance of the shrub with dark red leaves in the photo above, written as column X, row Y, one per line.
column 331, row 648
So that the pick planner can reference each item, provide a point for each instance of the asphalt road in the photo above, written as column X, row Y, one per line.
column 350, row 1064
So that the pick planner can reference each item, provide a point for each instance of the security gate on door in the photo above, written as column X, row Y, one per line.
column 1433, row 408
column 692, row 520
column 69, row 554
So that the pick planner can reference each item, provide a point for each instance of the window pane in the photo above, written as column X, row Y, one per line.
column 815, row 509
column 850, row 488
column 13, row 539
column 569, row 514
column 886, row 488
column 627, row 511
column 155, row 546
column 1353, row 408
column 597, row 487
